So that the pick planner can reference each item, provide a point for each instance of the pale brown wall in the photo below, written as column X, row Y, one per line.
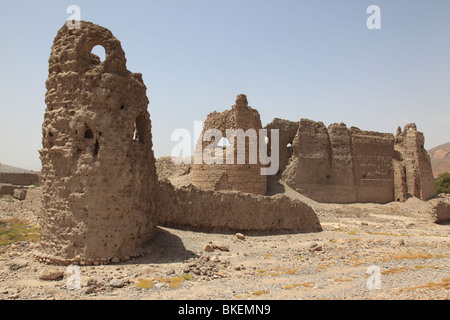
column 24, row 179
column 415, row 162
column 231, row 211
column 337, row 164
column 99, row 184
column 238, row 177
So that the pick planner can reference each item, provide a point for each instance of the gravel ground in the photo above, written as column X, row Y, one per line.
column 366, row 251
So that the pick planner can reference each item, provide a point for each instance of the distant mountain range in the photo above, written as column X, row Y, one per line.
column 10, row 169
column 440, row 159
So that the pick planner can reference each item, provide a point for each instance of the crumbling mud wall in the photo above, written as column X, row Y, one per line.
column 340, row 164
column 98, row 168
column 208, row 210
column 20, row 179
column 245, row 177
column 413, row 164
column 440, row 211
column 286, row 134
column 372, row 160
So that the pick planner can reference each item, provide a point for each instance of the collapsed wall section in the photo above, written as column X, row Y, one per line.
column 286, row 134
column 208, row 210
column 341, row 165
column 413, row 164
column 245, row 177
column 98, row 169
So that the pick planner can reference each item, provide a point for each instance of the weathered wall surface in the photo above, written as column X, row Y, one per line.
column 208, row 210
column 372, row 160
column 98, row 169
column 340, row 164
column 287, row 131
column 441, row 211
column 238, row 177
column 415, row 163
column 21, row 179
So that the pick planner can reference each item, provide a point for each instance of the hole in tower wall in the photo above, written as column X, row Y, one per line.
column 135, row 135
column 88, row 134
column 141, row 129
column 100, row 52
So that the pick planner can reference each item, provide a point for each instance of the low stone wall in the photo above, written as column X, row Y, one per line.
column 206, row 210
column 9, row 188
column 20, row 179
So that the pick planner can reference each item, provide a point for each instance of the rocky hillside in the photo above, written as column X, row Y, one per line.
column 10, row 169
column 440, row 159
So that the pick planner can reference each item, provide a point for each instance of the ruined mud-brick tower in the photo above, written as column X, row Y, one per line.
column 235, row 176
column 412, row 165
column 98, row 168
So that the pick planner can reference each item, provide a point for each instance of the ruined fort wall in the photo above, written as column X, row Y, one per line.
column 415, row 162
column 338, row 164
column 238, row 177
column 98, row 169
column 286, row 134
column 372, row 160
column 311, row 159
column 23, row 179
column 231, row 211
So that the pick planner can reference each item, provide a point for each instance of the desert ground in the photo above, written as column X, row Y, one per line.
column 365, row 251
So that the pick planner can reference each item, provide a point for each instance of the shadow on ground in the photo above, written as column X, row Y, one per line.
column 165, row 248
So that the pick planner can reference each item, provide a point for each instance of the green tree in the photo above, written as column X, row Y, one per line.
column 442, row 183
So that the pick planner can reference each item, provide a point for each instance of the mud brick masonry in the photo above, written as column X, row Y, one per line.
column 102, row 201
column 101, row 197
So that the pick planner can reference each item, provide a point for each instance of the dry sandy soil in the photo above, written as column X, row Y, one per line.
column 400, row 240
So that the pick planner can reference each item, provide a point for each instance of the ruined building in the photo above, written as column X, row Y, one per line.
column 98, row 176
column 345, row 165
column 101, row 197
column 412, row 165
column 244, row 177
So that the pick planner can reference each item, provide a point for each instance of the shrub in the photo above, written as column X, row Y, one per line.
column 442, row 183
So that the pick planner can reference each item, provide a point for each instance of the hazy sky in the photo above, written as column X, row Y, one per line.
column 293, row 59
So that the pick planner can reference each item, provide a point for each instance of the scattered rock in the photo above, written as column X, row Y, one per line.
column 221, row 246
column 208, row 248
column 115, row 260
column 315, row 247
column 170, row 272
column 441, row 212
column 20, row 194
column 240, row 236
column 159, row 285
column 397, row 243
column 51, row 274
column 17, row 264
column 116, row 283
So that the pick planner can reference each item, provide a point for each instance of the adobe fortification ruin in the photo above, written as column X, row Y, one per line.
column 244, row 177
column 102, row 200
column 99, row 178
column 413, row 172
column 346, row 165
column 101, row 197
